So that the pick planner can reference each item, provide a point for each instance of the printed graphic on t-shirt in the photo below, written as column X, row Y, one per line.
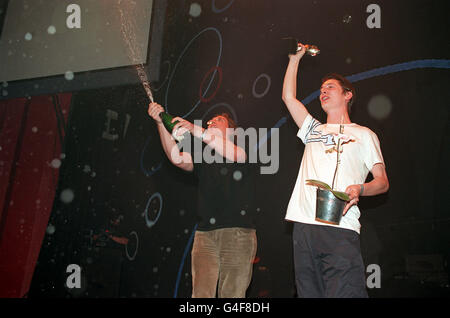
column 329, row 139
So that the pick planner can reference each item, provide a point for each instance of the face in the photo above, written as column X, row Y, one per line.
column 332, row 95
column 218, row 123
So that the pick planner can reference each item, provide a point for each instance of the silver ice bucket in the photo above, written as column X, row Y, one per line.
column 329, row 208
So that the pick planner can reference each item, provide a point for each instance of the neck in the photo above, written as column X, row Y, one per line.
column 229, row 137
column 338, row 117
column 222, row 134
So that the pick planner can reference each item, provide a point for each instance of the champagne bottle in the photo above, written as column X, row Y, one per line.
column 167, row 122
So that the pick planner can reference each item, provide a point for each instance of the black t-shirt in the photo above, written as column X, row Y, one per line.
column 225, row 194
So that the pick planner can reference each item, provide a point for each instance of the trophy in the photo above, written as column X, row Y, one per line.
column 293, row 47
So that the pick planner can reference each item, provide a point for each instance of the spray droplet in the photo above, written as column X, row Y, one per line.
column 56, row 163
column 237, row 175
column 69, row 75
column 67, row 196
column 379, row 107
column 51, row 30
column 347, row 18
column 28, row 36
column 50, row 229
column 195, row 10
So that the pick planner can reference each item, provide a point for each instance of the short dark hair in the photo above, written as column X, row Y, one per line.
column 345, row 84
column 231, row 122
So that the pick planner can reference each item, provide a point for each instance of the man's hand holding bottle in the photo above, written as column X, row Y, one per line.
column 177, row 126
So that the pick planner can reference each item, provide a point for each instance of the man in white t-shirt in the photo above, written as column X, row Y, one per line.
column 327, row 257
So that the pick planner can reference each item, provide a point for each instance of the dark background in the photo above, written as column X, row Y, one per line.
column 129, row 179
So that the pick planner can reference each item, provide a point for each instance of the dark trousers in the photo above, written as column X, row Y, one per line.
column 328, row 262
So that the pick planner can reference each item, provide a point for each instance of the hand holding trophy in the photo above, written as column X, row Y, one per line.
column 294, row 46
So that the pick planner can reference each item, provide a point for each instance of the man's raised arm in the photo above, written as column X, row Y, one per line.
column 182, row 160
column 296, row 108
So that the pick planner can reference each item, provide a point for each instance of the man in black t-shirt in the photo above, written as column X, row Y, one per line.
column 225, row 241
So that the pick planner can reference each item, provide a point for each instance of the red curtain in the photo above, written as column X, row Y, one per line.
column 31, row 137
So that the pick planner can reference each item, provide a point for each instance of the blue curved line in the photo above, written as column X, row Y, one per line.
column 178, row 61
column 387, row 70
column 432, row 63
column 264, row 139
column 148, row 174
column 215, row 10
column 398, row 68
column 180, row 269
column 147, row 221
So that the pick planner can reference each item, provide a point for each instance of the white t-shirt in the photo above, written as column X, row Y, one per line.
column 360, row 152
